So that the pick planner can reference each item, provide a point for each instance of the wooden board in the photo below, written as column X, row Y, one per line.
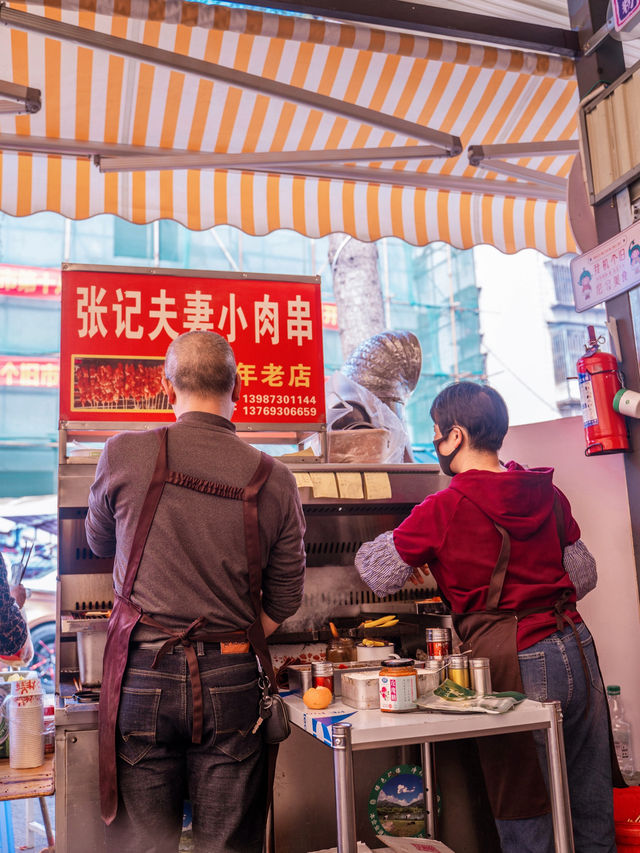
column 33, row 782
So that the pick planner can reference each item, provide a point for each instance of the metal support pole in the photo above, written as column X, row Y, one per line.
column 345, row 792
column 558, row 783
column 429, row 787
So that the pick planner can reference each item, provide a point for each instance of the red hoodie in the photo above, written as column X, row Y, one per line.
column 453, row 531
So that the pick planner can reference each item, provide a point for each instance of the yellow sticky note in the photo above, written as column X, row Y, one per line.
column 377, row 485
column 302, row 479
column 324, row 485
column 350, row 485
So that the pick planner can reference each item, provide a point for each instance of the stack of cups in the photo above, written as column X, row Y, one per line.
column 26, row 723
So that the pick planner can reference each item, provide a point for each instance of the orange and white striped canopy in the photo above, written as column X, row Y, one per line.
column 339, row 127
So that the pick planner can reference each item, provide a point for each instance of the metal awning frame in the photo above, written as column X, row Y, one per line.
column 321, row 164
column 15, row 99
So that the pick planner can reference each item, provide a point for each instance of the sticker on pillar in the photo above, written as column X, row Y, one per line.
column 396, row 803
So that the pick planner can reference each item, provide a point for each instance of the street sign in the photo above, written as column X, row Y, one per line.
column 624, row 11
column 607, row 270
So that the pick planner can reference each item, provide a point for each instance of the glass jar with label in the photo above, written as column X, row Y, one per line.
column 398, row 684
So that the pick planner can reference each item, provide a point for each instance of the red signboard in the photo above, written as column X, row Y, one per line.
column 31, row 372
column 117, row 325
column 29, row 282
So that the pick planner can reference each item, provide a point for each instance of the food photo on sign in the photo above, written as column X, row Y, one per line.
column 118, row 322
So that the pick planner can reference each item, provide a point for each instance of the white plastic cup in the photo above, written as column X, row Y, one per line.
column 25, row 710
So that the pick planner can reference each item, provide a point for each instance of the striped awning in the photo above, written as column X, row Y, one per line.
column 207, row 115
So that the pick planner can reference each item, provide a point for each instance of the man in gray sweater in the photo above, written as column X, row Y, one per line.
column 207, row 539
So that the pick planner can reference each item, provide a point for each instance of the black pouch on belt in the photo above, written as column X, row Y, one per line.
column 273, row 718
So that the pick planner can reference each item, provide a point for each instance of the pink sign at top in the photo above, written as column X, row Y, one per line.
column 624, row 11
column 607, row 270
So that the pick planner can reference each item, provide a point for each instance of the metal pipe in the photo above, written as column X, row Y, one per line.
column 344, row 788
column 429, row 787
column 558, row 782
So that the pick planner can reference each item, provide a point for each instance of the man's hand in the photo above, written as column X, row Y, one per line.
column 19, row 593
column 419, row 575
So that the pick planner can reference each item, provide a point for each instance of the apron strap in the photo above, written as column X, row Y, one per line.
column 147, row 513
column 499, row 573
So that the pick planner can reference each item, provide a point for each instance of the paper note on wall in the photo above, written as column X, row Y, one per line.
column 302, row 479
column 377, row 485
column 324, row 485
column 350, row 485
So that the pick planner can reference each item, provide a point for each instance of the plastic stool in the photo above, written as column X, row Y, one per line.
column 7, row 844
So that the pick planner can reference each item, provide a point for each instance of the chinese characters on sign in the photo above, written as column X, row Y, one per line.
column 624, row 11
column 30, row 282
column 118, row 325
column 29, row 372
column 607, row 270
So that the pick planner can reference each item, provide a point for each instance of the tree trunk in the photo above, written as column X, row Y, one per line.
column 357, row 290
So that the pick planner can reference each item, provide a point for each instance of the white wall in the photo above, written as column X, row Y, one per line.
column 515, row 295
column 596, row 488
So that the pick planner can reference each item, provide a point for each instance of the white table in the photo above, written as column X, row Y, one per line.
column 344, row 729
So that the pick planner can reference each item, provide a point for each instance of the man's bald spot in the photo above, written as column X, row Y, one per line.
column 201, row 363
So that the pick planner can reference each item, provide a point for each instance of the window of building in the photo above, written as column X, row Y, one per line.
column 169, row 240
column 561, row 273
column 132, row 241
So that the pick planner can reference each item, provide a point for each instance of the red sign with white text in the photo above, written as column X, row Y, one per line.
column 29, row 282
column 117, row 325
column 29, row 372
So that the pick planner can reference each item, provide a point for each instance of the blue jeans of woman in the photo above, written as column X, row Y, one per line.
column 224, row 777
column 552, row 670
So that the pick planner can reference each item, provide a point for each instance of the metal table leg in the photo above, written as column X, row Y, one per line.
column 558, row 783
column 429, row 787
column 345, row 792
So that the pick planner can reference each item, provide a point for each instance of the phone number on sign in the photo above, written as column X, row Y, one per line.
column 280, row 411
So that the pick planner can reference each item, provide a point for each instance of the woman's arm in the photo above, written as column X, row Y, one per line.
column 579, row 563
column 381, row 567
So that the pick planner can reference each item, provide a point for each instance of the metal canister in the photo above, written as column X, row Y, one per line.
column 438, row 665
column 459, row 669
column 430, row 676
column 438, row 642
column 322, row 674
column 480, row 675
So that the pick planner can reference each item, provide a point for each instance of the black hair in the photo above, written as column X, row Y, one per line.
column 477, row 408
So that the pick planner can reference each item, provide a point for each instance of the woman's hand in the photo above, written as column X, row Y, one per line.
column 419, row 574
column 19, row 593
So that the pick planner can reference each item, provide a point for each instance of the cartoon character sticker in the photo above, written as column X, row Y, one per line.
column 585, row 283
column 634, row 253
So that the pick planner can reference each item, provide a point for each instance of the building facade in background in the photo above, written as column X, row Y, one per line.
column 478, row 314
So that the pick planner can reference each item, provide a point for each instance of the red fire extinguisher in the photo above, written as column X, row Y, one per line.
column 605, row 431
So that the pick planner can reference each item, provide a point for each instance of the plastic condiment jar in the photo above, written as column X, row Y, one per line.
column 398, row 684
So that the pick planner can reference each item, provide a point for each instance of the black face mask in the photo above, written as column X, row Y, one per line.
column 445, row 460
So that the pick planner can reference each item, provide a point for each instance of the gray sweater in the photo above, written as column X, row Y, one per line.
column 194, row 563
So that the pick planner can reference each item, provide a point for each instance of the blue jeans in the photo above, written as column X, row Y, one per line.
column 224, row 777
column 552, row 670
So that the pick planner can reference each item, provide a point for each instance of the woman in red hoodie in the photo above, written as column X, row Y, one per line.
column 501, row 541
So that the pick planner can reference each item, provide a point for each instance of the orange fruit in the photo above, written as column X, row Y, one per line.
column 317, row 697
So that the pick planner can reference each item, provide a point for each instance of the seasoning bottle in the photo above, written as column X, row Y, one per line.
column 341, row 649
column 322, row 674
column 398, row 685
column 480, row 676
column 438, row 642
column 459, row 669
column 49, row 729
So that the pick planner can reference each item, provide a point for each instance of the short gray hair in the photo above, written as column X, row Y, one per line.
column 201, row 363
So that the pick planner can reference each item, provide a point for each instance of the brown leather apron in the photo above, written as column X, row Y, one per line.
column 514, row 780
column 126, row 614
